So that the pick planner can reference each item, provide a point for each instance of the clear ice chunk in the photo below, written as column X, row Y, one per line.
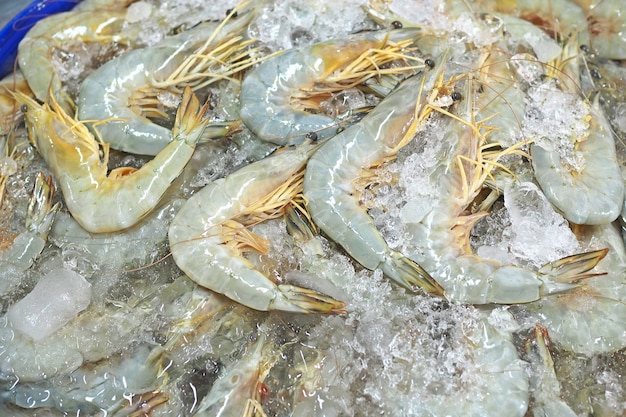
column 57, row 298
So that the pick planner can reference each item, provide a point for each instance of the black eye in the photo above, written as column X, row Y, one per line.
column 24, row 108
column 595, row 74
column 229, row 11
column 585, row 49
column 456, row 96
column 396, row 24
column 430, row 63
column 311, row 136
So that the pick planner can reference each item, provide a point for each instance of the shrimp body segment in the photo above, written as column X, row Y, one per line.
column 101, row 202
column 267, row 92
column 201, row 247
column 329, row 184
column 594, row 194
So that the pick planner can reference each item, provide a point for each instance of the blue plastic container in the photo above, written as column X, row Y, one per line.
column 13, row 32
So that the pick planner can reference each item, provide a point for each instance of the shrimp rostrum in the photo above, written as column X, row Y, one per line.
column 210, row 231
column 103, row 202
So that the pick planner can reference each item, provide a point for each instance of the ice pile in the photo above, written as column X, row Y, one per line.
column 555, row 119
column 527, row 231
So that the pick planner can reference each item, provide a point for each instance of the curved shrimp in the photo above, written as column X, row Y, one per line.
column 209, row 232
column 590, row 191
column 591, row 319
column 101, row 202
column 269, row 93
column 440, row 230
column 559, row 18
column 28, row 245
column 56, row 32
column 124, row 92
column 236, row 392
column 331, row 174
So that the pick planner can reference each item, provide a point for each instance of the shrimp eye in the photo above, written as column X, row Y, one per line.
column 456, row 96
column 595, row 74
column 311, row 136
column 585, row 49
column 229, row 11
column 430, row 63
column 396, row 24
column 24, row 108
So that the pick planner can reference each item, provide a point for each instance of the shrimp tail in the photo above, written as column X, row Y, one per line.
column 410, row 275
column 190, row 118
column 564, row 274
column 303, row 300
column 40, row 214
column 219, row 130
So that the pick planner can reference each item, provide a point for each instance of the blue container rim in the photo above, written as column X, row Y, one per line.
column 14, row 31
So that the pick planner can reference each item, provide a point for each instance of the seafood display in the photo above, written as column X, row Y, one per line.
column 371, row 207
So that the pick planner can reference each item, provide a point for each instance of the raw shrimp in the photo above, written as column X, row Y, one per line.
column 443, row 190
column 28, row 245
column 237, row 391
column 593, row 194
column 56, row 32
column 269, row 93
column 99, row 389
column 545, row 387
column 101, row 202
column 331, row 174
column 559, row 18
column 125, row 91
column 210, row 230
column 587, row 192
column 591, row 319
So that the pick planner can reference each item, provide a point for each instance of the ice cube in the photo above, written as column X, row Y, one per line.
column 56, row 299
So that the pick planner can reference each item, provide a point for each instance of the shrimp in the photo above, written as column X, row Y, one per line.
column 209, row 232
column 559, row 18
column 57, row 33
column 101, row 202
column 582, row 180
column 269, row 93
column 440, row 229
column 125, row 91
column 591, row 319
column 236, row 392
column 28, row 245
column 117, row 386
column 331, row 174
column 545, row 387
